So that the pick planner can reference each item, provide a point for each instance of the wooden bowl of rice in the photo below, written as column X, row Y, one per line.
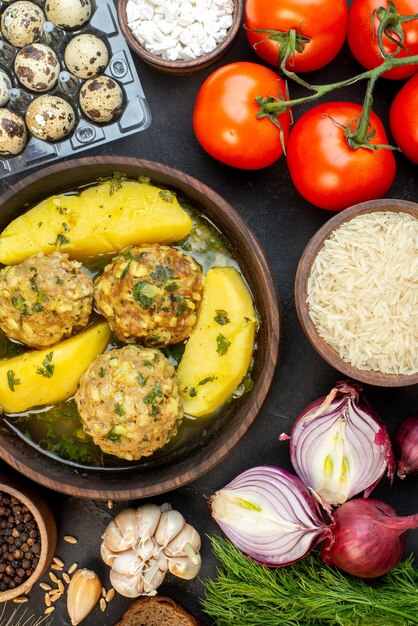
column 356, row 292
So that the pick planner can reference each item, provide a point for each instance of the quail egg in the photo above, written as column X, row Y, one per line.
column 86, row 56
column 12, row 133
column 22, row 23
column 37, row 67
column 101, row 99
column 50, row 118
column 68, row 13
column 5, row 86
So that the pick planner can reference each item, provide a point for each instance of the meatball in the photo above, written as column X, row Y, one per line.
column 151, row 293
column 44, row 299
column 129, row 402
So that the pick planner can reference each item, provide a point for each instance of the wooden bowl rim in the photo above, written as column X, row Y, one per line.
column 34, row 503
column 77, row 485
column 303, row 272
column 180, row 66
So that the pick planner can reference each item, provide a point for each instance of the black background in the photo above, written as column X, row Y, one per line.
column 283, row 223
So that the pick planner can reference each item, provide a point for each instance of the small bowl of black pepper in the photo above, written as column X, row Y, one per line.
column 28, row 537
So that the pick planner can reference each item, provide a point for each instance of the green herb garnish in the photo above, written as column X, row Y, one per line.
column 125, row 270
column 208, row 379
column 102, row 372
column 245, row 593
column 192, row 392
column 221, row 317
column 181, row 306
column 61, row 240
column 115, row 181
column 19, row 302
column 112, row 435
column 222, row 344
column 47, row 371
column 12, row 381
column 144, row 293
column 142, row 379
column 167, row 196
column 156, row 392
column 145, row 180
column 162, row 273
column 119, row 410
column 33, row 284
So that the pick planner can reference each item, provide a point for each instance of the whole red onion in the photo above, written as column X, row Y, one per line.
column 406, row 446
column 368, row 538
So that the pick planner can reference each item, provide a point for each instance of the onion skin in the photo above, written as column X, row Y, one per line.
column 368, row 538
column 406, row 446
column 270, row 515
column 339, row 447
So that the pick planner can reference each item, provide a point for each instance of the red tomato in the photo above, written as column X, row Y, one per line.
column 404, row 119
column 323, row 21
column 323, row 167
column 363, row 24
column 225, row 116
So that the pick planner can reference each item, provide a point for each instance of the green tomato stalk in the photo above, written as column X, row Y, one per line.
column 360, row 136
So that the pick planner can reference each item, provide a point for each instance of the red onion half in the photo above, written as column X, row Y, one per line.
column 270, row 515
column 406, row 445
column 339, row 447
column 368, row 538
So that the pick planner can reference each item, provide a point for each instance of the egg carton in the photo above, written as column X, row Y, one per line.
column 135, row 115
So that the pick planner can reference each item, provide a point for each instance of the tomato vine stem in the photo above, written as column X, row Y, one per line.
column 391, row 26
column 272, row 105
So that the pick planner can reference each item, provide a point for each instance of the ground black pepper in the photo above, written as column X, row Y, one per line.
column 20, row 542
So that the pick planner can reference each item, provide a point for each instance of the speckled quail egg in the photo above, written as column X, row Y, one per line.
column 68, row 13
column 12, row 133
column 50, row 118
column 37, row 67
column 86, row 56
column 101, row 99
column 22, row 23
column 5, row 86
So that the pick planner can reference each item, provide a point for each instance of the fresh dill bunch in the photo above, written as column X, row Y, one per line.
column 307, row 593
column 20, row 617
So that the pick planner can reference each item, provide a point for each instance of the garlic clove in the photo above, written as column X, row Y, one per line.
column 163, row 565
column 147, row 518
column 128, row 586
column 169, row 526
column 145, row 549
column 113, row 538
column 127, row 563
column 106, row 554
column 127, row 525
column 151, row 583
column 165, row 507
column 183, row 567
column 83, row 593
column 187, row 538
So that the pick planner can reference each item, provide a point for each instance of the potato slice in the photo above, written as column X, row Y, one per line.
column 218, row 353
column 101, row 219
column 41, row 377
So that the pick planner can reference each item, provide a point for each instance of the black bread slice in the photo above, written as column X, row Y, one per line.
column 156, row 611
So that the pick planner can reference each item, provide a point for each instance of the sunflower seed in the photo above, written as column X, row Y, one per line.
column 102, row 604
column 73, row 568
column 20, row 600
column 49, row 610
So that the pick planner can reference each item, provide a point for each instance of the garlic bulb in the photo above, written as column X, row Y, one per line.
column 141, row 545
column 83, row 593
